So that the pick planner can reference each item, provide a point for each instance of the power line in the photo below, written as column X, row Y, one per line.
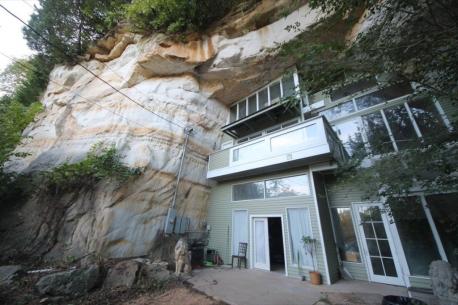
column 75, row 93
column 85, row 98
column 88, row 70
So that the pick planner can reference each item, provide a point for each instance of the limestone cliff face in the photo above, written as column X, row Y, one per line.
column 190, row 84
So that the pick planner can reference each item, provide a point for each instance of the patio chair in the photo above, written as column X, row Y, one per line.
column 241, row 256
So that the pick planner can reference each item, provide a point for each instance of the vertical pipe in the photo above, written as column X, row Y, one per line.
column 168, row 228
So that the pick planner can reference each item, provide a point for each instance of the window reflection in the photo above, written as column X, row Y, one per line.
column 345, row 235
column 275, row 92
column 285, row 187
column 288, row 85
column 427, row 117
column 416, row 236
column 349, row 132
column 444, row 209
column 401, row 126
column 339, row 111
column 377, row 134
column 245, row 191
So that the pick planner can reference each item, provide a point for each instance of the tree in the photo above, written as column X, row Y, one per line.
column 410, row 42
column 176, row 16
column 71, row 26
column 413, row 41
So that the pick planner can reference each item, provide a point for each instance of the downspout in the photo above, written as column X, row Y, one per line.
column 171, row 213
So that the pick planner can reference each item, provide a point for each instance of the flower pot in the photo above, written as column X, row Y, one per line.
column 315, row 277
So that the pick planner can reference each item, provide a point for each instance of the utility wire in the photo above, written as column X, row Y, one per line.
column 88, row 70
column 68, row 88
column 84, row 98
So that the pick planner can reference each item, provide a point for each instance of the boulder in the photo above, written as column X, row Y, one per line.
column 123, row 274
column 156, row 271
column 444, row 282
column 8, row 273
column 74, row 282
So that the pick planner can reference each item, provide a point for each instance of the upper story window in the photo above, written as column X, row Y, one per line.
column 271, row 94
column 393, row 128
column 365, row 101
column 272, row 188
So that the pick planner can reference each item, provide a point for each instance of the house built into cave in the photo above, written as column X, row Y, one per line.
column 276, row 183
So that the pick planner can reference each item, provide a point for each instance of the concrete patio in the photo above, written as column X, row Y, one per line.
column 253, row 287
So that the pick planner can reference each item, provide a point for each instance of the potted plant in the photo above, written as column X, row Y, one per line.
column 309, row 244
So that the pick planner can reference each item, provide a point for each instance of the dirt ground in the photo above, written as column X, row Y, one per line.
column 175, row 296
column 173, row 293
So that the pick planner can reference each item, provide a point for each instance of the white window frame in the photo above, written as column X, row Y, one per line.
column 265, row 189
column 269, row 102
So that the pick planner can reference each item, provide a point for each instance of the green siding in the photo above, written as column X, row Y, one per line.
column 220, row 219
column 357, row 270
column 342, row 195
column 326, row 225
column 420, row 282
column 219, row 159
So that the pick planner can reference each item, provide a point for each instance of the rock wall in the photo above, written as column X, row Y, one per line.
column 189, row 84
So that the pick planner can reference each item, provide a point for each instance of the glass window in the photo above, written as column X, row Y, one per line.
column 242, row 109
column 382, row 95
column 368, row 100
column 415, row 233
column 427, row 117
column 263, row 98
column 345, row 235
column 252, row 107
column 377, row 134
column 290, row 186
column 275, row 93
column 287, row 83
column 289, row 139
column 246, row 191
column 401, row 126
column 299, row 226
column 233, row 113
column 444, row 209
column 349, row 132
column 248, row 152
column 339, row 110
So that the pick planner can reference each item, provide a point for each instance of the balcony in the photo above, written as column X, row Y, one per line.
column 302, row 144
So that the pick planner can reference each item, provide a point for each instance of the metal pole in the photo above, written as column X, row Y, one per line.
column 171, row 213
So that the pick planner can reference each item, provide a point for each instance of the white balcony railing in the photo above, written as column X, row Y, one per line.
column 311, row 138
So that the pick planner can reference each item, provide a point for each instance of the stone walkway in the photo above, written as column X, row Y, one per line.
column 253, row 287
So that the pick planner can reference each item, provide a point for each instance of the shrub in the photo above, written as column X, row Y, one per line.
column 100, row 163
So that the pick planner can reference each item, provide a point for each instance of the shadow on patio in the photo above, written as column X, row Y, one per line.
column 253, row 287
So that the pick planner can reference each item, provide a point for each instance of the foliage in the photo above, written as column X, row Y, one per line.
column 309, row 244
column 25, row 79
column 414, row 41
column 14, row 117
column 428, row 166
column 100, row 163
column 71, row 26
column 408, row 41
column 176, row 16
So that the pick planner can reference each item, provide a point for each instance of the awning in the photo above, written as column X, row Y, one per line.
column 262, row 119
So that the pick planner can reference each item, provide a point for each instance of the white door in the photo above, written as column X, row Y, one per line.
column 260, row 248
column 378, row 246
